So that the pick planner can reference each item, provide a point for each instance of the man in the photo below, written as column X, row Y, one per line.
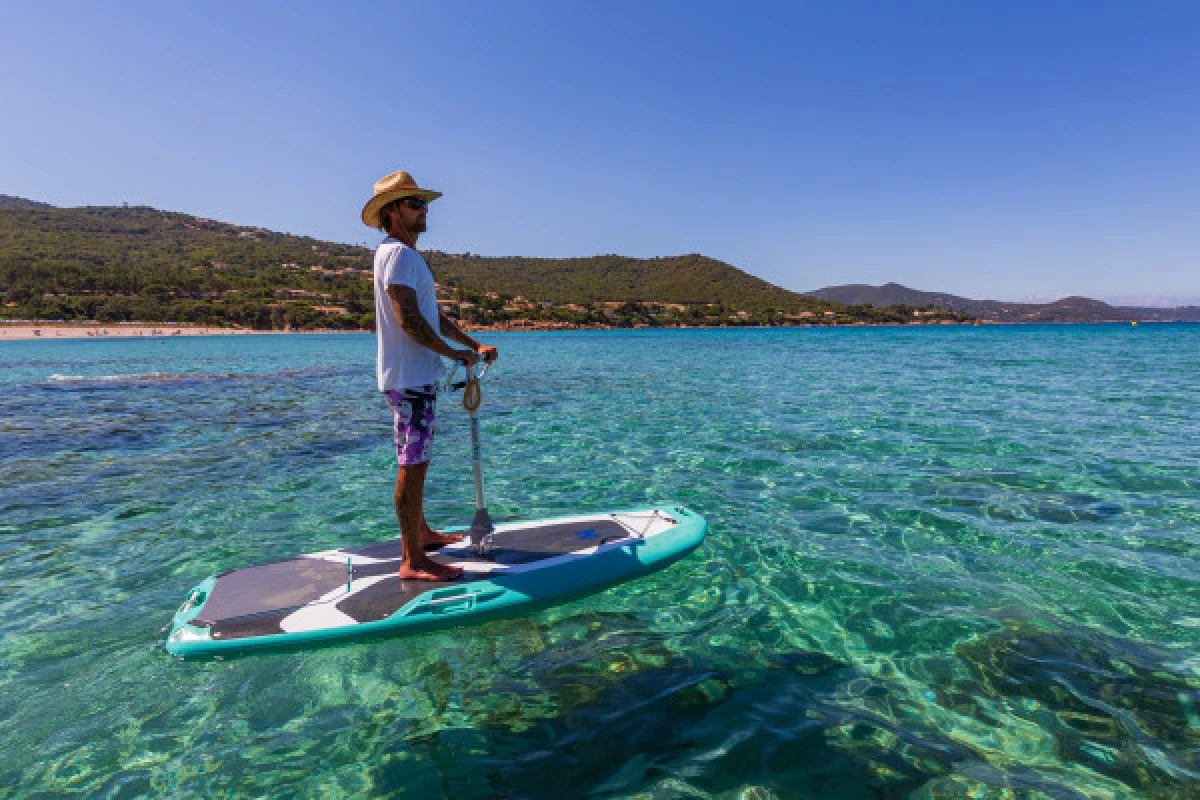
column 410, row 349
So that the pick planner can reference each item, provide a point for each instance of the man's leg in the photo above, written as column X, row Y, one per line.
column 432, row 540
column 410, row 494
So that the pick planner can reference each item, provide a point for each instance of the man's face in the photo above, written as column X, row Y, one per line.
column 409, row 218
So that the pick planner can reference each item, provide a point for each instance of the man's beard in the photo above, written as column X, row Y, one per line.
column 418, row 226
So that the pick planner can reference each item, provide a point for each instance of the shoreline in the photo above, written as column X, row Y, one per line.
column 26, row 331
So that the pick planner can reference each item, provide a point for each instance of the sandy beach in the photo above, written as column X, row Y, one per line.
column 65, row 330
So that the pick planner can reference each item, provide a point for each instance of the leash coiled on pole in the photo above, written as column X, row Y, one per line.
column 472, row 394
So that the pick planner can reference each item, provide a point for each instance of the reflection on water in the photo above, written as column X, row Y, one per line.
column 941, row 564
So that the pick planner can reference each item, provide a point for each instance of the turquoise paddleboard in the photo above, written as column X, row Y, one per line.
column 354, row 591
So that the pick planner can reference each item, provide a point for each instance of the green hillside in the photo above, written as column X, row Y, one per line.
column 112, row 264
column 116, row 264
column 689, row 279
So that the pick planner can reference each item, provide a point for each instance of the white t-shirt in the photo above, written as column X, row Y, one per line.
column 403, row 362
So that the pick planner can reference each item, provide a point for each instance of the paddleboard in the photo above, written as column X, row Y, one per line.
column 355, row 591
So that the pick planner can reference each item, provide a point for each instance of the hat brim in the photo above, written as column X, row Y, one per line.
column 370, row 212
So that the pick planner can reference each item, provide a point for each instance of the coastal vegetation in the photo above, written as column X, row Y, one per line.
column 115, row 264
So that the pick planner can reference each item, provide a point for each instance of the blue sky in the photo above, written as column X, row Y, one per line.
column 1012, row 150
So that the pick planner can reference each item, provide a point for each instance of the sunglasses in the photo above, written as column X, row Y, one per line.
column 415, row 203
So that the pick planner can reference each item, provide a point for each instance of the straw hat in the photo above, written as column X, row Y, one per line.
column 389, row 188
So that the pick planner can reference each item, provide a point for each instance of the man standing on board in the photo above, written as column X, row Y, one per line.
column 408, row 323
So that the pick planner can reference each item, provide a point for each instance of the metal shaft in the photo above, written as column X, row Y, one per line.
column 477, row 463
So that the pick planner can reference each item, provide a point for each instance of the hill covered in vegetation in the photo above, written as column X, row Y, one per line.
column 113, row 264
column 116, row 264
column 688, row 279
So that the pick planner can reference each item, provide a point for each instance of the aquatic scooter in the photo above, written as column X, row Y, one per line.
column 355, row 591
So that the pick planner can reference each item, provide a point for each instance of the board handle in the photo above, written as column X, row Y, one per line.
column 452, row 603
column 453, row 598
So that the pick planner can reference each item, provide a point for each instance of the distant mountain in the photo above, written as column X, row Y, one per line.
column 1078, row 309
column 1069, row 309
column 890, row 294
column 1179, row 314
column 8, row 201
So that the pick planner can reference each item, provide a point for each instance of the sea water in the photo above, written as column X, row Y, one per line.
column 942, row 562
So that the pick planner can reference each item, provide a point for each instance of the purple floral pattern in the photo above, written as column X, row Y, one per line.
column 413, row 411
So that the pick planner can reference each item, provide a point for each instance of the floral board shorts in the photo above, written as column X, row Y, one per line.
column 413, row 411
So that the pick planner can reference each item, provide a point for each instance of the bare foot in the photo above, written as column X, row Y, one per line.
column 432, row 540
column 429, row 570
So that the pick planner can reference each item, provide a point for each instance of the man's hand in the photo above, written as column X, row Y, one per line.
column 487, row 353
column 468, row 357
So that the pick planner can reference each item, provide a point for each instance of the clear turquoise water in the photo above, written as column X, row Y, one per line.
column 941, row 563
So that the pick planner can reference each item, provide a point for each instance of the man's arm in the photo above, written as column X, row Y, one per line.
column 451, row 330
column 408, row 313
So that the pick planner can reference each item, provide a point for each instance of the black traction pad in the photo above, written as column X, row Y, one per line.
column 519, row 546
column 253, row 601
column 385, row 598
column 270, row 587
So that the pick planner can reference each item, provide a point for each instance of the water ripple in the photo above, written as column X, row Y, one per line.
column 941, row 563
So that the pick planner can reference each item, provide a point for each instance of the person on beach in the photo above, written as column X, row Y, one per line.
column 409, row 329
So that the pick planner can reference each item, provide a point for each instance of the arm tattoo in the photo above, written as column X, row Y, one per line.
column 408, row 313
